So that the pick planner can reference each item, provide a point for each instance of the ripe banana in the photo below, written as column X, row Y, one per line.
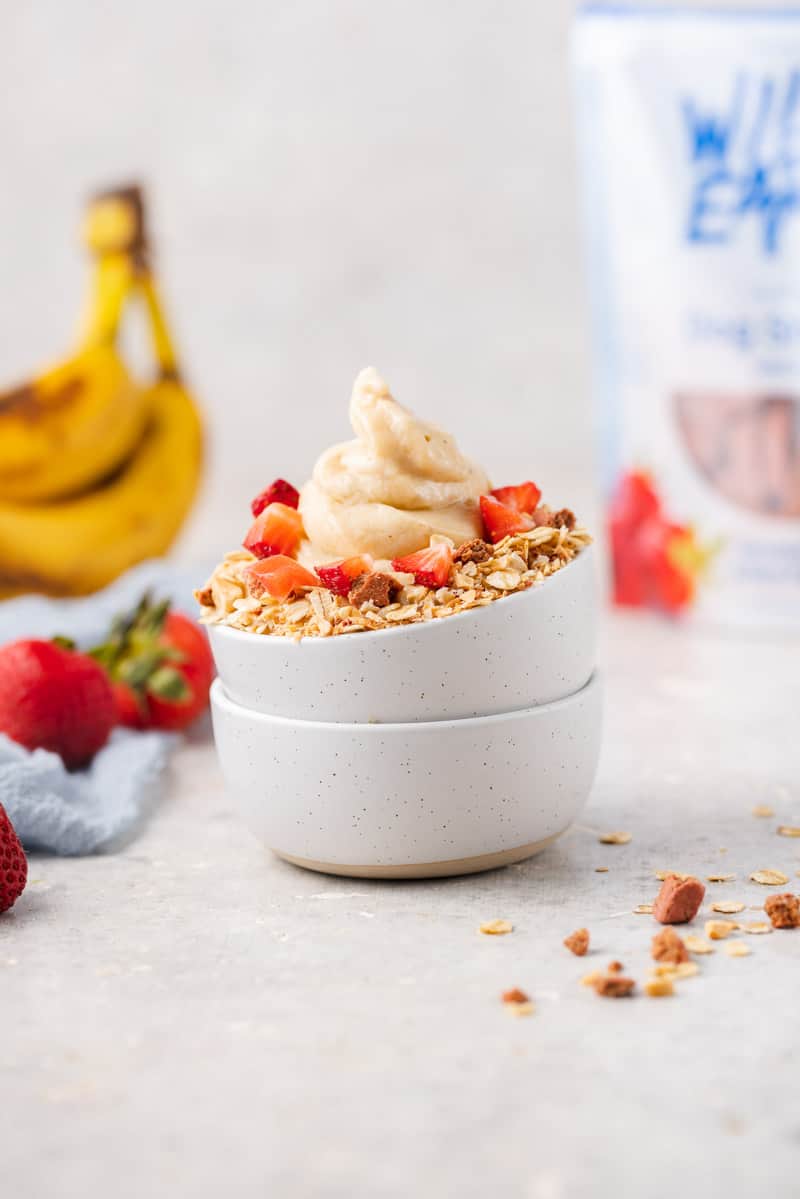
column 78, row 545
column 70, row 427
column 98, row 470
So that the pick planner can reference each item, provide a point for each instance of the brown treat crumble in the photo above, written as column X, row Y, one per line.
column 615, row 967
column 473, row 551
column 614, row 986
column 515, row 995
column 679, row 899
column 377, row 589
column 783, row 911
column 669, row 947
column 564, row 519
column 578, row 942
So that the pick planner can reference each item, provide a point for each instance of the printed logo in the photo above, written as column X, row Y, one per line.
column 745, row 161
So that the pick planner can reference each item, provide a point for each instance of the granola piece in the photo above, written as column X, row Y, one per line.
column 578, row 942
column 718, row 930
column 544, row 517
column 496, row 928
column 783, row 910
column 659, row 987
column 614, row 986
column 667, row 946
column 679, row 899
column 376, row 588
column 476, row 550
column 205, row 597
column 564, row 519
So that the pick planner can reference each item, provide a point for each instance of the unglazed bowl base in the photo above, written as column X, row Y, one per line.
column 447, row 869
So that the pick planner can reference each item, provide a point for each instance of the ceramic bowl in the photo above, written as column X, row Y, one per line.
column 529, row 648
column 410, row 800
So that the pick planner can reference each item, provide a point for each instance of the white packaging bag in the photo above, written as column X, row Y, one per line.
column 689, row 126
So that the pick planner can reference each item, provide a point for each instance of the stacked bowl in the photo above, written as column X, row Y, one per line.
column 438, row 748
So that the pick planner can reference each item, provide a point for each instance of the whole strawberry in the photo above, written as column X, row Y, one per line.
column 13, row 864
column 54, row 698
column 160, row 665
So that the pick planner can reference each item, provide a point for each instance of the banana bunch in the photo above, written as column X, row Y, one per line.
column 98, row 469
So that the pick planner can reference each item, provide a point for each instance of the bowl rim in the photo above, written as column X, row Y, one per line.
column 221, row 699
column 223, row 630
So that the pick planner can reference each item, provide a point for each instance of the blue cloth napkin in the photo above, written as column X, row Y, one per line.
column 92, row 809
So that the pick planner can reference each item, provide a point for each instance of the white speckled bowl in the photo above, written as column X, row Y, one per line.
column 411, row 800
column 529, row 648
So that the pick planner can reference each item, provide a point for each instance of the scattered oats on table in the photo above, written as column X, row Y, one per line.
column 788, row 830
column 718, row 930
column 769, row 878
column 736, row 949
column 763, row 810
column 496, row 928
column 756, row 927
column 658, row 988
column 720, row 878
column 697, row 944
column 728, row 907
column 643, row 909
column 616, row 838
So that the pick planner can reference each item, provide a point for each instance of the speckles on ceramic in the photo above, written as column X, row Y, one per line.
column 529, row 648
column 410, row 794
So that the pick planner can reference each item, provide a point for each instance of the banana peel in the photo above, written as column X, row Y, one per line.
column 98, row 469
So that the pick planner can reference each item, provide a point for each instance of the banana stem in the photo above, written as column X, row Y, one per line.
column 162, row 342
column 113, row 282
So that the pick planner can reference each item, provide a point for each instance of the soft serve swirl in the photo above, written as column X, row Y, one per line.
column 385, row 493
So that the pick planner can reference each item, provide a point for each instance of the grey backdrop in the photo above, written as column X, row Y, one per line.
column 333, row 184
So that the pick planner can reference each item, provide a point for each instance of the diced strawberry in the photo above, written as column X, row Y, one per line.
column 279, row 492
column 338, row 576
column 522, row 498
column 278, row 576
column 430, row 567
column 499, row 520
column 277, row 530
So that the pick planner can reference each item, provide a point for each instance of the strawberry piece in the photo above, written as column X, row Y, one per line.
column 430, row 567
column 278, row 576
column 278, row 492
column 53, row 698
column 499, row 520
column 522, row 498
column 276, row 530
column 13, row 864
column 339, row 576
column 635, row 500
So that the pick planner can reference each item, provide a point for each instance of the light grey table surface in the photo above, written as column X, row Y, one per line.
column 190, row 1017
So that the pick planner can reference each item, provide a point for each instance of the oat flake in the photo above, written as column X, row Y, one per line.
column 756, row 927
column 643, row 909
column 763, row 810
column 697, row 944
column 614, row 838
column 788, row 830
column 496, row 928
column 728, row 907
column 736, row 949
column 720, row 878
column 769, row 878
